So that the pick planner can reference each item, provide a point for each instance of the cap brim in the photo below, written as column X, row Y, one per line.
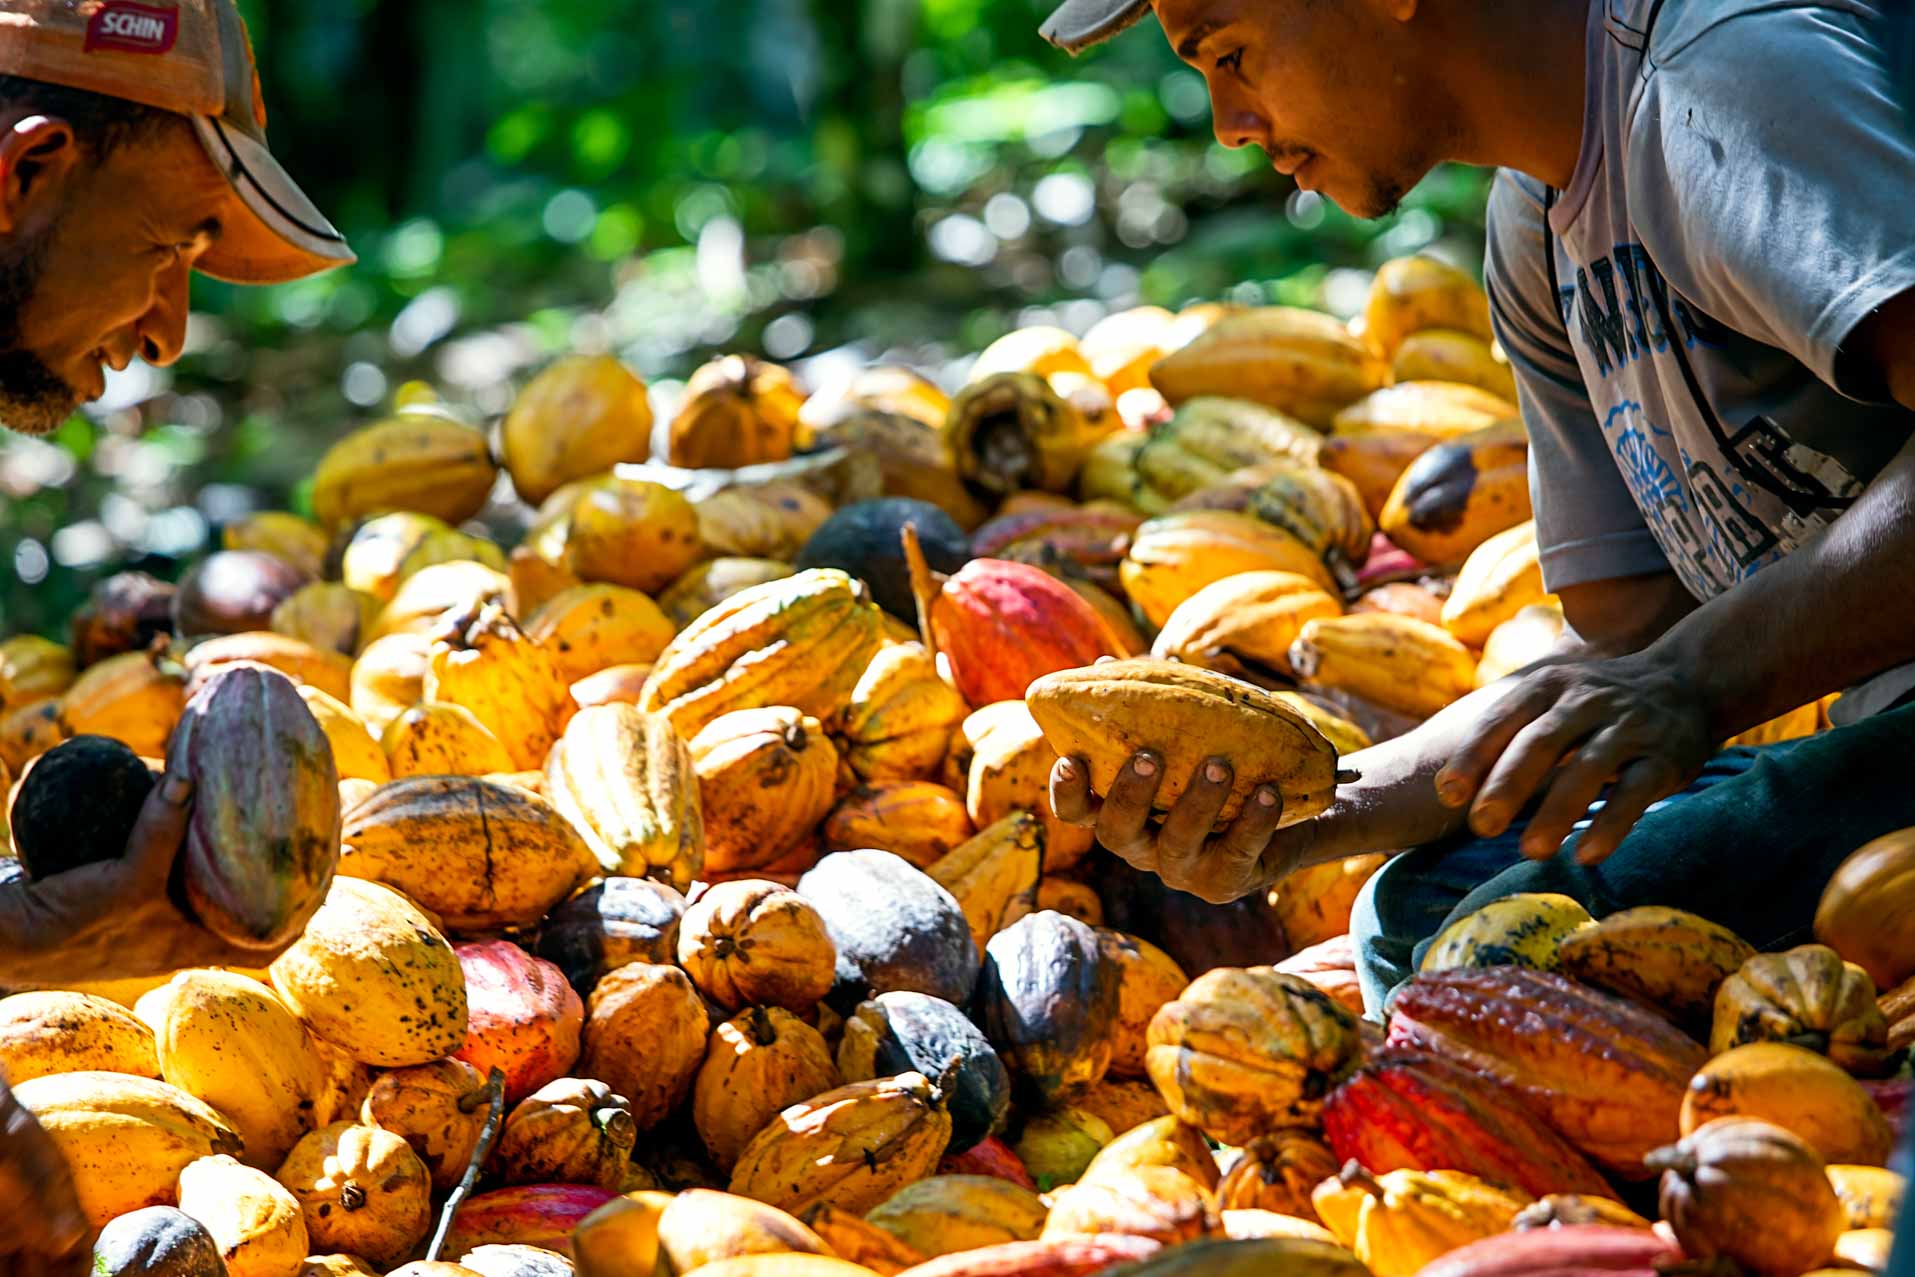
column 1075, row 25
column 282, row 235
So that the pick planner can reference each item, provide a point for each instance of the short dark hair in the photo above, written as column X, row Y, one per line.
column 103, row 124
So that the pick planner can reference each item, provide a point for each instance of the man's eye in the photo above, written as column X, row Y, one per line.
column 1231, row 61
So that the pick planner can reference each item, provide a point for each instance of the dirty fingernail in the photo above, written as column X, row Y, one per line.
column 176, row 789
column 1215, row 772
column 1266, row 797
column 1144, row 765
column 1067, row 768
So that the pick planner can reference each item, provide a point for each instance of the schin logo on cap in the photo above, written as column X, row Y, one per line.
column 126, row 27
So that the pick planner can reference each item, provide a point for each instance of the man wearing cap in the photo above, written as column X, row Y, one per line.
column 1702, row 266
column 132, row 153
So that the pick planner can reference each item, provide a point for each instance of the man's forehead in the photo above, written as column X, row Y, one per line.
column 1187, row 22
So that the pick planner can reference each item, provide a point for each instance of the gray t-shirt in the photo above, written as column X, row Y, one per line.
column 1744, row 198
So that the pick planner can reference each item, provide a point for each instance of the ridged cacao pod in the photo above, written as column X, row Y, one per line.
column 431, row 599
column 1567, row 1050
column 757, row 943
column 1093, row 538
column 994, row 875
column 123, row 613
column 361, row 1189
column 417, row 461
column 254, row 1221
column 917, row 820
column 737, row 411
column 1501, row 577
column 765, row 777
column 1173, row 557
column 1807, row 997
column 438, row 1108
column 263, row 837
column 852, row 1147
column 330, row 616
column 1106, row 713
column 485, row 662
column 1749, row 1192
column 625, row 779
column 1664, row 958
column 1246, row 1050
column 902, row 1032
column 1412, row 1110
column 1147, row 978
column 1525, row 930
column 480, row 855
column 1008, row 765
column 1397, row 662
column 579, row 417
column 1414, row 294
column 1149, row 1201
column 645, row 1036
column 802, row 642
column 1401, row 1221
column 433, row 738
column 1276, row 1173
column 758, row 1063
column 1248, row 619
column 1439, row 410
column 898, row 723
column 1296, row 361
column 569, row 1131
column 950, row 1213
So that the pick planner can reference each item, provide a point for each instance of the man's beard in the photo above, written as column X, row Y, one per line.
column 34, row 399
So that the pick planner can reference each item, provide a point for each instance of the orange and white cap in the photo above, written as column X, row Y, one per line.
column 191, row 57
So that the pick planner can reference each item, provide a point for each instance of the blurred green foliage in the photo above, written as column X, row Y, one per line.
column 821, row 181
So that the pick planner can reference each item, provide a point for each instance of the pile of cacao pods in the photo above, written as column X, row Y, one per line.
column 675, row 890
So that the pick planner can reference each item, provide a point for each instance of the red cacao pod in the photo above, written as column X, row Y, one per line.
column 535, row 1215
column 1405, row 1109
column 1000, row 624
column 123, row 613
column 989, row 1156
column 263, row 839
column 1583, row 1250
column 521, row 1016
column 233, row 591
column 1608, row 1075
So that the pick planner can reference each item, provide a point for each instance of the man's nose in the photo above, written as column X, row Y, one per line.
column 163, row 328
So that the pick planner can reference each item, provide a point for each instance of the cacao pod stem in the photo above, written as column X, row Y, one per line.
column 1355, row 1175
column 924, row 587
column 1672, row 1157
column 488, row 1135
column 762, row 1031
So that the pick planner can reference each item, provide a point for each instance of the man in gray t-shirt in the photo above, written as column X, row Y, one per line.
column 1702, row 265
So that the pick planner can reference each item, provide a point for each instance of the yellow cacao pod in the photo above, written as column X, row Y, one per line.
column 1414, row 294
column 434, row 738
column 630, row 532
column 898, row 723
column 626, row 780
column 1173, row 557
column 1459, row 493
column 328, row 615
column 579, row 417
column 254, row 1221
column 738, row 411
column 1445, row 354
column 758, row 1063
column 853, row 1147
column 1438, row 410
column 388, row 678
column 512, row 686
column 1013, row 430
column 61, row 1032
column 712, row 582
column 1398, row 662
column 589, row 627
column 417, row 461
column 1297, row 361
column 1242, row 621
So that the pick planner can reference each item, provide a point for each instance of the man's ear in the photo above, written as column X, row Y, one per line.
column 38, row 154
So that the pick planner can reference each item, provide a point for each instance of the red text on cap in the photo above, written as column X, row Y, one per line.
column 126, row 27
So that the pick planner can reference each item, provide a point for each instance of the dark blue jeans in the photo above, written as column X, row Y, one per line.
column 1749, row 845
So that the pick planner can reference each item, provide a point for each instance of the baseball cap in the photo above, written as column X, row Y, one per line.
column 191, row 57
column 1076, row 25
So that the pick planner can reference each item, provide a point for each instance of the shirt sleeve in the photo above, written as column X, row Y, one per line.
column 1772, row 162
column 1587, row 525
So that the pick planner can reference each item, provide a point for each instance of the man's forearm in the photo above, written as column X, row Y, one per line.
column 1837, row 611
